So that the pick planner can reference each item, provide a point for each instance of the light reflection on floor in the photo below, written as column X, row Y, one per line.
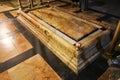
column 11, row 43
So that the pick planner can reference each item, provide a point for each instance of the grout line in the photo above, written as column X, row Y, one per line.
column 16, row 60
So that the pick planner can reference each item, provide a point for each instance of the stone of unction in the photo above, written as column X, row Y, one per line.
column 74, row 41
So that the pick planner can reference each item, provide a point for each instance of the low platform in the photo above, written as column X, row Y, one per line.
column 67, row 41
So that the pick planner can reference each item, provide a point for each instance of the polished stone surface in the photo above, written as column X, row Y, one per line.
column 65, row 23
column 12, row 42
column 34, row 68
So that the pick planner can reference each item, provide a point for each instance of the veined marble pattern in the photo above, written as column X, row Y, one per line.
column 34, row 68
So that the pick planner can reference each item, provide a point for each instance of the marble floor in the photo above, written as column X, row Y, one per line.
column 12, row 41
column 34, row 68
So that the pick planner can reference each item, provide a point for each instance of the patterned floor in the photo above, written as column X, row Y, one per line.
column 34, row 68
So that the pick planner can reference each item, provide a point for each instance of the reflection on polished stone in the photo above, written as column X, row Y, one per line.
column 21, row 43
column 34, row 68
column 7, row 49
column 6, row 27
column 12, row 42
column 13, row 46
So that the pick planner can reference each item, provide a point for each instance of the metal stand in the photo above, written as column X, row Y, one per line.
column 83, row 5
column 32, row 3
